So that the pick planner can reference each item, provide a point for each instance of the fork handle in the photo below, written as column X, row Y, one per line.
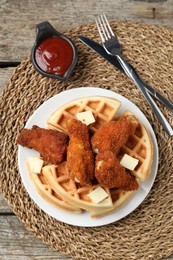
column 131, row 73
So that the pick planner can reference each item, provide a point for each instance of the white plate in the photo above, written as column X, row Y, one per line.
column 40, row 117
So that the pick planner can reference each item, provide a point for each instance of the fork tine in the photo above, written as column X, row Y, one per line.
column 110, row 29
column 105, row 26
column 100, row 29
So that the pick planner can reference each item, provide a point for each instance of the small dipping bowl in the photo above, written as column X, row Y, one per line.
column 53, row 55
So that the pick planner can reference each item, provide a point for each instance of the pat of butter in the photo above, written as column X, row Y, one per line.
column 35, row 164
column 129, row 162
column 86, row 117
column 98, row 195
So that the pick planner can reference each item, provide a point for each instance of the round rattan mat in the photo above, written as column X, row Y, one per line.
column 147, row 233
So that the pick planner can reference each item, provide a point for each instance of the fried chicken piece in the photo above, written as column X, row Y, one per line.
column 80, row 157
column 51, row 144
column 111, row 174
column 112, row 135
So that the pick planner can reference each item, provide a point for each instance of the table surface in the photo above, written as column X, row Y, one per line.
column 17, row 34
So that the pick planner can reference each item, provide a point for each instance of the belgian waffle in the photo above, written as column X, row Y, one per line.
column 104, row 110
column 45, row 190
column 59, row 180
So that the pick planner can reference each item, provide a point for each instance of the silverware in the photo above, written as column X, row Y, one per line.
column 113, row 60
column 112, row 47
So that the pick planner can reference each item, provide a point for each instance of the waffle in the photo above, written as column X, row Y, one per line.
column 104, row 110
column 119, row 198
column 59, row 180
column 46, row 192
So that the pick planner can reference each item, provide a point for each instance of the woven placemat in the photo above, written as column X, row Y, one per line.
column 147, row 233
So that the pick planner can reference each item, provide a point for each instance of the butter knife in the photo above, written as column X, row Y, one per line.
column 113, row 60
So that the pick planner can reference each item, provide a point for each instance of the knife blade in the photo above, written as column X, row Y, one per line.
column 113, row 60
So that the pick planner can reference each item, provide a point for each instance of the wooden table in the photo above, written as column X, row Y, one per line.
column 17, row 34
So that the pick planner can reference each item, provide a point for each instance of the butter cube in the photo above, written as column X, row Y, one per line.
column 86, row 117
column 98, row 195
column 129, row 162
column 35, row 164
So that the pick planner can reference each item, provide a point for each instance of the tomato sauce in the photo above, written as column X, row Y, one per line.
column 54, row 55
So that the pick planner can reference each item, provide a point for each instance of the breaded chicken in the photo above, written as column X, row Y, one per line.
column 112, row 135
column 111, row 174
column 80, row 157
column 51, row 144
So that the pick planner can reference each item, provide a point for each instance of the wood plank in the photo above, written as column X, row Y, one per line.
column 18, row 18
column 17, row 243
column 5, row 74
column 4, row 208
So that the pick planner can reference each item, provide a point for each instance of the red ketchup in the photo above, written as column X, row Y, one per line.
column 54, row 55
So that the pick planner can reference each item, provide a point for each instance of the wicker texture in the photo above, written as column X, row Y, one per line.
column 147, row 233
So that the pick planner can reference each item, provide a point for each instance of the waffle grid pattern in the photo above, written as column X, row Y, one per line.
column 139, row 148
column 61, row 183
column 103, row 110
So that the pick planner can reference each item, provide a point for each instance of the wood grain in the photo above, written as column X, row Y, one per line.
column 17, row 243
column 17, row 34
column 18, row 18
column 4, row 208
column 5, row 75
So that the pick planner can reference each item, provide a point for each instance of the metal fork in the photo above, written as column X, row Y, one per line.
column 113, row 47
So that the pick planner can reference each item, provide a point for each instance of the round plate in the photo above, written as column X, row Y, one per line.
column 40, row 117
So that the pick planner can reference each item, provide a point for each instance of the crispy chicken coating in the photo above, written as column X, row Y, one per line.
column 113, row 135
column 80, row 157
column 111, row 174
column 51, row 144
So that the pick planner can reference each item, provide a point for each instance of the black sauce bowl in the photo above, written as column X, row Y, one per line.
column 45, row 30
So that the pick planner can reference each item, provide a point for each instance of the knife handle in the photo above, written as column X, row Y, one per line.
column 131, row 73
